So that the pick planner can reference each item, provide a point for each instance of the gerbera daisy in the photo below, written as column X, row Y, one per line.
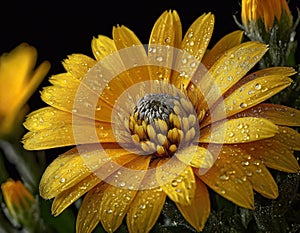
column 169, row 119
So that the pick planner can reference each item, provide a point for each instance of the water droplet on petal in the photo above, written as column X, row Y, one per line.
column 243, row 105
column 258, row 86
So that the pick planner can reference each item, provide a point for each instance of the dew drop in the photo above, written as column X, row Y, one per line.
column 243, row 105
column 174, row 183
column 184, row 60
column 109, row 211
column 142, row 206
column 190, row 35
column 122, row 184
column 258, row 86
column 193, row 64
column 159, row 58
column 224, row 177
column 62, row 180
column 167, row 40
column 231, row 134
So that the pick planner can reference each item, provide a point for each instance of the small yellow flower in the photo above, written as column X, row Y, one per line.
column 19, row 201
column 271, row 22
column 167, row 119
column 18, row 82
column 266, row 11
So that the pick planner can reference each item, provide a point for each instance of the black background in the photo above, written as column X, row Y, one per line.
column 59, row 28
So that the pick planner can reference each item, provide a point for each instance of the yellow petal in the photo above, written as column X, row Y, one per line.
column 69, row 196
column 78, row 65
column 121, row 191
column 253, row 168
column 228, row 179
column 263, row 182
column 77, row 99
column 177, row 180
column 196, row 156
column 227, row 42
column 198, row 211
column 163, row 39
column 289, row 137
column 102, row 46
column 24, row 80
column 273, row 154
column 21, row 83
column 73, row 166
column 238, row 130
column 194, row 46
column 145, row 210
column 198, row 35
column 132, row 53
column 89, row 212
column 249, row 95
column 271, row 71
column 278, row 114
column 50, row 128
column 230, row 68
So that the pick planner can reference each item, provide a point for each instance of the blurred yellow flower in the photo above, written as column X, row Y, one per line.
column 169, row 119
column 19, row 201
column 18, row 81
column 266, row 11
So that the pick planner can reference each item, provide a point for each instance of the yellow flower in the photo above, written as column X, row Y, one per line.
column 19, row 201
column 266, row 11
column 168, row 119
column 18, row 82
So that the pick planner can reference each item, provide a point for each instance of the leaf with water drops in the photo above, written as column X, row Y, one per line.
column 102, row 46
column 78, row 65
column 249, row 95
column 177, row 180
column 238, row 130
column 225, row 43
column 231, row 67
column 278, row 114
column 69, row 196
column 145, row 209
column 122, row 189
column 198, row 211
column 89, row 212
column 228, row 179
column 196, row 156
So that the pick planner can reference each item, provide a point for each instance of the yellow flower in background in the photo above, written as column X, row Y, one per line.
column 266, row 11
column 19, row 201
column 271, row 22
column 170, row 119
column 18, row 81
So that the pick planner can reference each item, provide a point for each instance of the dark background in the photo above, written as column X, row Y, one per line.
column 59, row 28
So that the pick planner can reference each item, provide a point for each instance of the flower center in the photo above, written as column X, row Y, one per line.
column 161, row 123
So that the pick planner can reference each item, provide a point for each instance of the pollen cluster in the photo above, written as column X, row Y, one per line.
column 161, row 123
